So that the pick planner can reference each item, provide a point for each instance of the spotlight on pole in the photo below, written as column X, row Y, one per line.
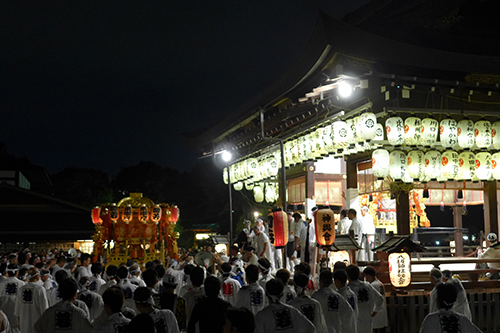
column 345, row 89
column 226, row 156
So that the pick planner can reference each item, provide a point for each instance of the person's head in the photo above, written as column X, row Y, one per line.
column 343, row 213
column 352, row 272
column 274, row 289
column 12, row 270
column 113, row 299
column 304, row 267
column 248, row 252
column 226, row 269
column 61, row 275
column 256, row 230
column 252, row 273
column 340, row 278
column 84, row 282
column 23, row 274
column 96, row 268
column 447, row 275
column 364, row 210
column 325, row 278
column 143, row 300
column 212, row 286
column 68, row 289
column 160, row 270
column 61, row 260
column 264, row 265
column 197, row 275
column 370, row 274
column 283, row 275
column 351, row 213
column 258, row 222
column 85, row 259
column 290, row 216
column 301, row 281
column 134, row 270
column 150, row 264
column 169, row 283
column 435, row 276
column 111, row 271
column 234, row 251
column 239, row 320
column 446, row 295
column 296, row 217
column 122, row 272
column 143, row 323
column 33, row 274
column 339, row 265
column 150, row 277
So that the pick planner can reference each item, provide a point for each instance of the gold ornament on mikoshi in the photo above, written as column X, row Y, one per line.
column 325, row 226
column 399, row 269
column 155, row 213
column 127, row 214
column 142, row 213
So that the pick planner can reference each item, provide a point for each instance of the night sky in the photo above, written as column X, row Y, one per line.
column 107, row 84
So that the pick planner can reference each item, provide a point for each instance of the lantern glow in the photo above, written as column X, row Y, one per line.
column 399, row 269
column 278, row 229
column 325, row 226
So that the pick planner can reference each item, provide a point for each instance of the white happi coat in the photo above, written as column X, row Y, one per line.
column 380, row 320
column 312, row 310
column 192, row 297
column 105, row 286
column 96, row 282
column 282, row 318
column 93, row 301
column 49, row 284
column 31, row 302
column 9, row 289
column 5, row 323
column 264, row 279
column 128, row 291
column 350, row 297
column 164, row 321
column 369, row 300
column 116, row 323
column 288, row 294
column 447, row 321
column 137, row 281
column 63, row 317
column 230, row 288
column 339, row 315
column 461, row 305
column 253, row 297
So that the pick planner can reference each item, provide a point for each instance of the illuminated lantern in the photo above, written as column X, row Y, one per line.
column 325, row 226
column 319, row 150
column 142, row 213
column 413, row 130
column 296, row 151
column 432, row 163
column 287, row 148
column 249, row 184
column 96, row 215
column 225, row 176
column 270, row 193
column 342, row 256
column 252, row 165
column 465, row 132
column 231, row 173
column 155, row 213
column 305, row 142
column 174, row 214
column 258, row 194
column 397, row 164
column 399, row 269
column 351, row 132
column 483, row 166
column 340, row 135
column 273, row 166
column 379, row 132
column 113, row 212
column 236, row 172
column 416, row 164
column 127, row 214
column 380, row 163
column 430, row 128
column 466, row 165
column 495, row 165
column 449, row 164
column 278, row 229
column 327, row 139
column 448, row 132
column 238, row 186
column 482, row 131
column 394, row 129
column 495, row 129
column 367, row 126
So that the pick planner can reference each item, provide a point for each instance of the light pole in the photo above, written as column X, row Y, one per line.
column 226, row 156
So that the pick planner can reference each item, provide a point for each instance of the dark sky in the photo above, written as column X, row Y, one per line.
column 110, row 83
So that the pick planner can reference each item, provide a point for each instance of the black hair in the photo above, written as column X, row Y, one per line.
column 447, row 295
column 340, row 275
column 252, row 273
column 301, row 280
column 111, row 271
column 326, row 277
column 122, row 272
column 150, row 264
column 114, row 298
column 343, row 212
column 274, row 287
column 304, row 267
column 61, row 275
column 297, row 216
column 142, row 322
column 150, row 277
column 67, row 289
column 242, row 319
column 283, row 275
column 160, row 270
column 339, row 265
column 212, row 286
column 197, row 275
column 225, row 267
column 369, row 270
column 96, row 268
column 352, row 211
column 84, row 256
column 352, row 272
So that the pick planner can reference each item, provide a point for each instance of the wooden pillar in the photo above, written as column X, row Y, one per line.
column 457, row 223
column 310, row 180
column 403, row 213
column 490, row 207
column 352, row 175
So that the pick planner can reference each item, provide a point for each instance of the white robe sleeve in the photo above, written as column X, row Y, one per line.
column 347, row 317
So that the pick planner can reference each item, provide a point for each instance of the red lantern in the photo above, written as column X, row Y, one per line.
column 174, row 214
column 127, row 214
column 96, row 215
column 325, row 227
column 113, row 212
column 278, row 229
column 155, row 213
column 142, row 213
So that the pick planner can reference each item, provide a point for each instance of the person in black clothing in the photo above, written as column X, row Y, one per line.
column 210, row 312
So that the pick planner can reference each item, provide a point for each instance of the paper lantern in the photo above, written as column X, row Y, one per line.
column 394, row 129
column 413, row 130
column 319, row 145
column 305, row 142
column 430, row 128
column 340, row 134
column 432, row 162
column 127, row 214
column 238, row 186
column 296, row 151
column 448, row 133
column 416, row 164
column 142, row 213
column 273, row 166
column 244, row 174
column 495, row 165
column 466, row 165
column 397, row 164
column 287, row 148
column 232, row 177
column 495, row 129
column 482, row 131
column 237, row 175
column 252, row 166
column 449, row 164
column 399, row 269
column 155, row 213
column 249, row 184
column 380, row 163
column 113, row 212
column 258, row 194
column 367, row 126
column 325, row 226
column 465, row 132
column 342, row 256
column 270, row 193
column 379, row 132
column 327, row 139
column 483, row 166
column 96, row 215
column 278, row 229
column 351, row 132
column 174, row 214
column 225, row 176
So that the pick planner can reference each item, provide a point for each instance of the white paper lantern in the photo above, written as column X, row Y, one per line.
column 273, row 166
column 238, row 186
column 252, row 166
column 397, row 164
column 483, row 165
column 270, row 194
column 400, row 269
column 413, row 130
column 448, row 133
column 340, row 135
column 287, row 147
column 305, row 142
column 465, row 132
column 495, row 165
column 449, row 164
column 225, row 177
column 258, row 193
column 319, row 145
column 482, row 131
column 231, row 174
column 416, row 164
column 495, row 129
column 327, row 139
column 379, row 132
column 249, row 185
column 466, row 165
column 380, row 163
column 432, row 162
column 351, row 132
column 394, row 129
column 367, row 125
column 430, row 128
column 296, row 151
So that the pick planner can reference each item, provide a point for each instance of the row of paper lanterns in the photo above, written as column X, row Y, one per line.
column 435, row 165
column 261, row 190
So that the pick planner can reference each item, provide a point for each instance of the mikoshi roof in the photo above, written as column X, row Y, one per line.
column 345, row 243
column 399, row 244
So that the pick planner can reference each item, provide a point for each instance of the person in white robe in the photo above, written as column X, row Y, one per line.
column 197, row 292
column 288, row 291
column 344, row 223
column 462, row 304
column 279, row 317
column 436, row 278
column 9, row 289
column 340, row 281
column 368, row 232
column 380, row 320
column 113, row 301
column 164, row 320
column 134, row 273
column 252, row 296
column 230, row 286
column 264, row 269
column 46, row 279
column 84, row 268
column 92, row 299
column 4, row 323
column 111, row 271
column 31, row 302
column 127, row 287
column 96, row 281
